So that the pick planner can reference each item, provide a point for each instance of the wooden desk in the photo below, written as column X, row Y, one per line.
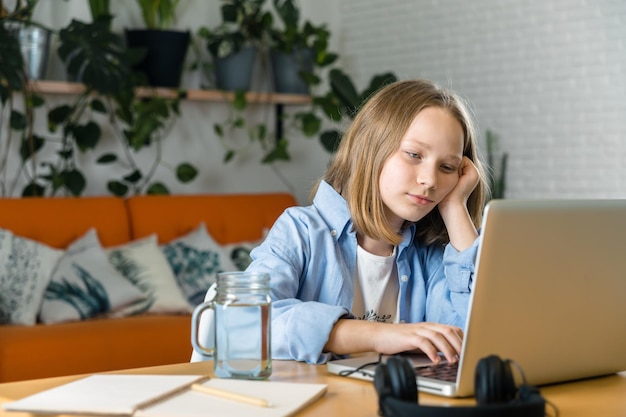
column 599, row 397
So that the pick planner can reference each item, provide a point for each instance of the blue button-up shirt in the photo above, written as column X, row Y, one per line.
column 310, row 254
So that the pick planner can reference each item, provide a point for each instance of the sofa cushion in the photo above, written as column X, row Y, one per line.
column 142, row 262
column 239, row 253
column 85, row 284
column 26, row 267
column 195, row 260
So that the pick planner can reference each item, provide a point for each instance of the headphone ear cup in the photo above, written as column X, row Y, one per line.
column 493, row 381
column 405, row 379
column 396, row 378
column 381, row 384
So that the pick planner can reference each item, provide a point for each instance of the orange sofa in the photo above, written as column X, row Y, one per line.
column 103, row 344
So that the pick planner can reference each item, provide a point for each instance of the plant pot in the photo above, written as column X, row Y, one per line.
column 35, row 45
column 286, row 70
column 165, row 54
column 234, row 72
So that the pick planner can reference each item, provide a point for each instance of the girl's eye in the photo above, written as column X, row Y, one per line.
column 414, row 155
column 448, row 168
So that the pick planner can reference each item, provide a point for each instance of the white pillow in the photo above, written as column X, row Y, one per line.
column 25, row 270
column 196, row 259
column 85, row 284
column 144, row 265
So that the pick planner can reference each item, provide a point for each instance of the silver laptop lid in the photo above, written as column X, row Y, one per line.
column 550, row 290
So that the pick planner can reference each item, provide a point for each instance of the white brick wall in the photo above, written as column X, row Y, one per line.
column 547, row 76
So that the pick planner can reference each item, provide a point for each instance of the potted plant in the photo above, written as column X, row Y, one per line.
column 497, row 173
column 33, row 38
column 343, row 100
column 14, row 79
column 111, row 86
column 165, row 48
column 99, row 57
column 101, row 9
column 235, row 43
column 297, row 50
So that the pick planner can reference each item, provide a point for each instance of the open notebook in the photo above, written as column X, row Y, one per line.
column 549, row 293
column 168, row 396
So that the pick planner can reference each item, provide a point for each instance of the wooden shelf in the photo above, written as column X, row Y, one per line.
column 62, row 87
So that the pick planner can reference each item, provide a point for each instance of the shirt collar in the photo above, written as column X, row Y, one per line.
column 333, row 208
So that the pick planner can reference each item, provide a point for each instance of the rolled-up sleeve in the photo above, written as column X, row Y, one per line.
column 449, row 286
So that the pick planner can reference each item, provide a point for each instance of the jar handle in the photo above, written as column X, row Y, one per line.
column 196, row 321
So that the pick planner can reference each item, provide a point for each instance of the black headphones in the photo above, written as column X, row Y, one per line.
column 494, row 387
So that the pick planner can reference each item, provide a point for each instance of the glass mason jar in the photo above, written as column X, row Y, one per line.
column 241, row 322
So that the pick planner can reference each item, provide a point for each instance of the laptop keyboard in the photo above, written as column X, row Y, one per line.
column 445, row 371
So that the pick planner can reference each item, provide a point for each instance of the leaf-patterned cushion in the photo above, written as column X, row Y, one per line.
column 196, row 259
column 85, row 284
column 239, row 253
column 142, row 262
column 25, row 270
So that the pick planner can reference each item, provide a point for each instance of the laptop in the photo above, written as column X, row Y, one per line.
column 549, row 293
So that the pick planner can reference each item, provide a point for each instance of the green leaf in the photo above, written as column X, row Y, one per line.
column 117, row 188
column 107, row 158
column 33, row 190
column 12, row 67
column 230, row 154
column 74, row 181
column 261, row 132
column 5, row 93
column 66, row 153
column 28, row 148
column 87, row 136
column 96, row 56
column 35, row 100
column 158, row 188
column 344, row 89
column 18, row 120
column 376, row 83
column 330, row 106
column 239, row 100
column 133, row 177
column 58, row 116
column 219, row 131
column 311, row 124
column 330, row 140
column 278, row 153
column 98, row 106
column 186, row 172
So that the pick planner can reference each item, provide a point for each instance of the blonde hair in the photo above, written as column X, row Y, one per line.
column 375, row 135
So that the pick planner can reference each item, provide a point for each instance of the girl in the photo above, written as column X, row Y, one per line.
column 383, row 259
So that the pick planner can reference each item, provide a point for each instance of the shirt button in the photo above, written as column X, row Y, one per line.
column 404, row 278
column 333, row 233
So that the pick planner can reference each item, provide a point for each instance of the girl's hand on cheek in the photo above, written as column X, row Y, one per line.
column 453, row 208
column 468, row 180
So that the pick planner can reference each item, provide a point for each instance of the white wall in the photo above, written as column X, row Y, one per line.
column 548, row 76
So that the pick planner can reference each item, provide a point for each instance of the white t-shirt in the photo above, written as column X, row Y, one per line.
column 376, row 287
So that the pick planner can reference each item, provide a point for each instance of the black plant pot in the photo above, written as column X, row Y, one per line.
column 286, row 70
column 165, row 56
column 234, row 72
